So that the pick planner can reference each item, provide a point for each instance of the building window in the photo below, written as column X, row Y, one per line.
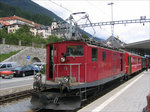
column 94, row 54
column 104, row 56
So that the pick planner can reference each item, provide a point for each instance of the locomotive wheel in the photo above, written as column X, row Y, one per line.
column 126, row 77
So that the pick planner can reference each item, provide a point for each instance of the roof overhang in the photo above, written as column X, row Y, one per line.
column 142, row 47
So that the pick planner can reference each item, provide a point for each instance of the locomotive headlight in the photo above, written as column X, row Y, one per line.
column 63, row 59
column 66, row 79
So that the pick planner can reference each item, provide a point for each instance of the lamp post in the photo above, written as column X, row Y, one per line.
column 112, row 23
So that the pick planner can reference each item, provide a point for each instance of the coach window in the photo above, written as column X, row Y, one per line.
column 94, row 54
column 104, row 56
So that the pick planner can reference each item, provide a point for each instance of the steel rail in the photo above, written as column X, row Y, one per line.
column 13, row 96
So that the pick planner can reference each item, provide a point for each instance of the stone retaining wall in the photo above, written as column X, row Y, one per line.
column 35, row 54
column 9, row 48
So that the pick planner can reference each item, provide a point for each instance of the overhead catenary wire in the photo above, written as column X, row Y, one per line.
column 73, row 20
column 60, row 6
column 102, row 17
column 98, row 8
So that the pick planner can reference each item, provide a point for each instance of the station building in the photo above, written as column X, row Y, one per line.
column 13, row 23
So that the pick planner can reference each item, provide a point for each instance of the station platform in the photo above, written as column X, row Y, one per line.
column 128, row 97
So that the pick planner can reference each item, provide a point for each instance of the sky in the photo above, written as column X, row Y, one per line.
column 100, row 11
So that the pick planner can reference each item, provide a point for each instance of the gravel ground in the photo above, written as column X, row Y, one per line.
column 22, row 105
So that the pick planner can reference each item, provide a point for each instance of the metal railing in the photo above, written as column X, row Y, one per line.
column 70, row 65
column 20, row 43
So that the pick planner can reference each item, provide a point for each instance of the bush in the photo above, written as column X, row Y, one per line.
column 43, row 70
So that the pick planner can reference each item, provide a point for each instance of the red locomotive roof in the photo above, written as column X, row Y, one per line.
column 67, row 42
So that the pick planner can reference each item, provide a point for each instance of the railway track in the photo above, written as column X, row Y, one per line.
column 15, row 96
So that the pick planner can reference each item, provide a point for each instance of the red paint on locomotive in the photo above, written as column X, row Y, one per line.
column 96, row 62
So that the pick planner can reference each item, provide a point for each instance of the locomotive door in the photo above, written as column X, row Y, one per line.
column 121, row 62
column 51, row 60
column 114, row 62
column 129, row 65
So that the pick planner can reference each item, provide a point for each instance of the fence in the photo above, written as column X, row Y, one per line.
column 21, row 43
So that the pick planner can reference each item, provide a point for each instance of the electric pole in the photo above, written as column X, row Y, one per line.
column 112, row 24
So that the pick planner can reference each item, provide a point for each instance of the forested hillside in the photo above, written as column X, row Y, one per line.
column 6, row 10
column 28, row 5
column 31, row 11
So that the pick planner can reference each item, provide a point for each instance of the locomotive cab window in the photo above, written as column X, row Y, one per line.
column 75, row 50
column 104, row 56
column 94, row 54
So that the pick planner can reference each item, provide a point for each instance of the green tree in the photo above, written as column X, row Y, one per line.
column 52, row 39
column 85, row 36
column 3, row 33
column 24, row 29
column 25, row 35
column 6, row 10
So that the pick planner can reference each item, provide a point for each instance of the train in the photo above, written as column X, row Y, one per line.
column 76, row 70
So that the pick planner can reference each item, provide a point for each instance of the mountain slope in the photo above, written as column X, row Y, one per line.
column 32, row 7
column 6, row 10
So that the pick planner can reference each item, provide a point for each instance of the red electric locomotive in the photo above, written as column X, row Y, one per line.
column 76, row 69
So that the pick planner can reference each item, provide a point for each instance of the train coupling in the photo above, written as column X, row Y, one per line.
column 55, row 101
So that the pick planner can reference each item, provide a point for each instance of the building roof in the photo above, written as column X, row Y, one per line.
column 19, row 18
column 115, row 42
column 3, row 23
column 20, row 24
column 141, row 46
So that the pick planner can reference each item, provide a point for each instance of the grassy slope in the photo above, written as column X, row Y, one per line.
column 5, row 56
